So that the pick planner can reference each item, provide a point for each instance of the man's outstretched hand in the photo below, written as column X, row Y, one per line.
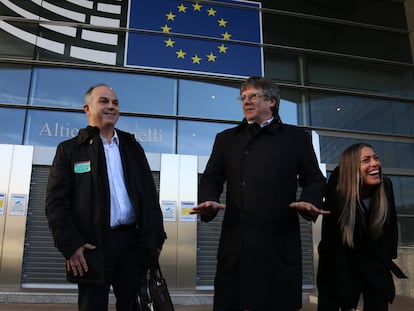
column 207, row 208
column 308, row 208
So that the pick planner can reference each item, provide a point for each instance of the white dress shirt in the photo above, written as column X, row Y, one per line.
column 122, row 212
column 264, row 123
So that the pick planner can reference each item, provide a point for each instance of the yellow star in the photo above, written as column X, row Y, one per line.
column 180, row 54
column 197, row 6
column 181, row 8
column 222, row 48
column 226, row 36
column 169, row 43
column 211, row 12
column 166, row 29
column 211, row 57
column 222, row 22
column 170, row 16
column 196, row 59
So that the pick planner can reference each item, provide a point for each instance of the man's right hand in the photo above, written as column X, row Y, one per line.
column 77, row 262
column 207, row 208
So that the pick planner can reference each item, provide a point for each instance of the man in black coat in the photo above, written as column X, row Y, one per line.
column 262, row 161
column 102, row 207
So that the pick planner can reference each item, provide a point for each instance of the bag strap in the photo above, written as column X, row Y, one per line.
column 159, row 270
column 156, row 272
column 397, row 271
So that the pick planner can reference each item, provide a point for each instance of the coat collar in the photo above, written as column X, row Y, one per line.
column 273, row 127
column 92, row 132
column 87, row 133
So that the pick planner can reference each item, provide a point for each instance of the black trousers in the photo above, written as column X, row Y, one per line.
column 372, row 300
column 122, row 271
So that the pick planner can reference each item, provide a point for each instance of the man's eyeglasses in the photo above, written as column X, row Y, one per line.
column 251, row 97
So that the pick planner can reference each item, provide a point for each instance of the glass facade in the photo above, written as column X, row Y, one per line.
column 345, row 70
column 360, row 113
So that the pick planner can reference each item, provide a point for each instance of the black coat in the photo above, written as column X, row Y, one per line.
column 78, row 203
column 259, row 257
column 343, row 270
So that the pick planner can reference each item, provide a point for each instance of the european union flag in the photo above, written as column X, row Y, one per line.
column 224, row 38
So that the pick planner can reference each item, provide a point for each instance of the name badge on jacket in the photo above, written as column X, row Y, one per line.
column 82, row 167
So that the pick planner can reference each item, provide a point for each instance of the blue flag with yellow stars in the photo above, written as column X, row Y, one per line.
column 191, row 36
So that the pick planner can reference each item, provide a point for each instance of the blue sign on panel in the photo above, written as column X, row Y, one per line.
column 190, row 36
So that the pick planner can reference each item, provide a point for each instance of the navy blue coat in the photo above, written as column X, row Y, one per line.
column 259, row 257
column 78, row 202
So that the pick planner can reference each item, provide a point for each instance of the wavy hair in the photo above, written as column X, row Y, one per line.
column 348, row 189
column 269, row 88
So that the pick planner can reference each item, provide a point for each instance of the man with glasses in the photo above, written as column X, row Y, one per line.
column 262, row 161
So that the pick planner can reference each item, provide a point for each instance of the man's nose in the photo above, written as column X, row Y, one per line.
column 111, row 104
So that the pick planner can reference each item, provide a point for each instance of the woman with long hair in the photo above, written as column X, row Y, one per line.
column 359, row 236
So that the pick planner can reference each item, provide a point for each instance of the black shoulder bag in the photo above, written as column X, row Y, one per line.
column 153, row 293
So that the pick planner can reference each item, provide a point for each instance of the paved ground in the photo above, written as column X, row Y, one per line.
column 401, row 303
column 61, row 307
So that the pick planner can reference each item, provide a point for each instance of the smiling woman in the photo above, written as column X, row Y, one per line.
column 370, row 170
column 359, row 237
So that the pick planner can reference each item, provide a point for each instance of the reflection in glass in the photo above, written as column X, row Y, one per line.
column 362, row 113
column 357, row 75
column 136, row 93
column 281, row 66
column 404, row 201
column 403, row 190
column 205, row 100
column 288, row 112
column 14, row 84
column 197, row 138
column 391, row 154
column 49, row 128
column 387, row 13
column 11, row 125
column 327, row 36
column 11, row 44
column 155, row 135
column 406, row 230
